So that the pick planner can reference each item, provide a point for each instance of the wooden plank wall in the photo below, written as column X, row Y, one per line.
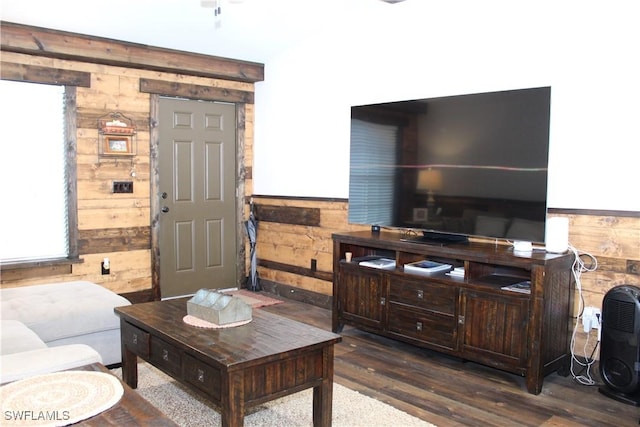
column 295, row 231
column 294, row 236
column 292, row 232
column 615, row 242
column 111, row 225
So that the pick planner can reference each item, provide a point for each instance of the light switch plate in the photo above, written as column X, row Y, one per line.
column 123, row 186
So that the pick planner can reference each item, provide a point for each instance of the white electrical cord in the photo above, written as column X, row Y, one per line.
column 577, row 269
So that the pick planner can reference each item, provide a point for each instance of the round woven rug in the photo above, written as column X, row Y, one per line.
column 58, row 399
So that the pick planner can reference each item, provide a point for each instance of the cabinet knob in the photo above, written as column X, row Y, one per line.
column 200, row 375
column 383, row 301
column 421, row 294
column 419, row 326
column 461, row 320
column 165, row 355
column 135, row 339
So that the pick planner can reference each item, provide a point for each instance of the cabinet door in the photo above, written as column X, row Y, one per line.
column 361, row 297
column 494, row 329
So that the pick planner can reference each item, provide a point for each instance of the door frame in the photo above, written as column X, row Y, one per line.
column 154, row 178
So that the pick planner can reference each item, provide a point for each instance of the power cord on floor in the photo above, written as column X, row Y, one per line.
column 583, row 376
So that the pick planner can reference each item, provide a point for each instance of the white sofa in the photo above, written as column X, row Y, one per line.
column 47, row 328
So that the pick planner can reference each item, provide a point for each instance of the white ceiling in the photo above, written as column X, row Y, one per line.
column 251, row 30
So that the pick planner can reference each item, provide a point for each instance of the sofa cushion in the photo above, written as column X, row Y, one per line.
column 16, row 337
column 43, row 361
column 62, row 310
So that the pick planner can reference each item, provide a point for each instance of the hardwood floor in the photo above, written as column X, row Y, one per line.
column 447, row 391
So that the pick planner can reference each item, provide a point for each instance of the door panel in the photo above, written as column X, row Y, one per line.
column 196, row 161
column 214, row 237
column 184, row 232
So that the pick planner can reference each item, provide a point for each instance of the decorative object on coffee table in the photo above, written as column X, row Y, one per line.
column 218, row 308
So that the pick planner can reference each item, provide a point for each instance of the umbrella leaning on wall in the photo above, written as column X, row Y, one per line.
column 253, row 282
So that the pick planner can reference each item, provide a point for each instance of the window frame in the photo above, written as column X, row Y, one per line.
column 59, row 265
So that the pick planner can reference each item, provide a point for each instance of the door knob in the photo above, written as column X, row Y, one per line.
column 164, row 195
column 165, row 209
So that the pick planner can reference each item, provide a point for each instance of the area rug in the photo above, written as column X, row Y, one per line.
column 58, row 399
column 350, row 408
column 254, row 299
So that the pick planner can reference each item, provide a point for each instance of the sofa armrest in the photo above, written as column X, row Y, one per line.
column 25, row 364
column 15, row 337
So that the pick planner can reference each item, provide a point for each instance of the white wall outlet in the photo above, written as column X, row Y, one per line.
column 105, row 266
column 591, row 317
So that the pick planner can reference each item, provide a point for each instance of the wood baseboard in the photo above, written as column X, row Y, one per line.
column 297, row 294
column 145, row 295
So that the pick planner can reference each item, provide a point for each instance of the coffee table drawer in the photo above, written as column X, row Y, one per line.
column 165, row 355
column 202, row 376
column 135, row 339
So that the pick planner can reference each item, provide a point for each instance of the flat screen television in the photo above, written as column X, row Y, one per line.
column 453, row 167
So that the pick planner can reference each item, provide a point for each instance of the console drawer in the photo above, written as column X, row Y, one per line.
column 165, row 355
column 428, row 327
column 135, row 339
column 419, row 293
column 202, row 376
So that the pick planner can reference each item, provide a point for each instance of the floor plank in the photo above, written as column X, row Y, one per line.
column 447, row 391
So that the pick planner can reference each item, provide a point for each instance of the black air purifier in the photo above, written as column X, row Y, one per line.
column 620, row 344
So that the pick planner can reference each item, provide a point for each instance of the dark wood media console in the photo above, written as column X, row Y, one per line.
column 470, row 317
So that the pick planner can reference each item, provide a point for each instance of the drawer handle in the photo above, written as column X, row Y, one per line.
column 135, row 338
column 419, row 326
column 165, row 355
column 200, row 375
column 421, row 294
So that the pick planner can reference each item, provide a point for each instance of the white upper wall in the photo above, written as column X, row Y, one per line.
column 585, row 50
column 368, row 51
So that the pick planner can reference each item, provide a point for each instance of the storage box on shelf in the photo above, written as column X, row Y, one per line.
column 470, row 317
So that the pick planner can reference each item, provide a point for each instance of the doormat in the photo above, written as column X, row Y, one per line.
column 254, row 299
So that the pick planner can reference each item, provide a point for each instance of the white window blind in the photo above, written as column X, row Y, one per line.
column 372, row 173
column 33, row 218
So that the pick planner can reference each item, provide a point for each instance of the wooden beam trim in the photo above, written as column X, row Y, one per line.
column 79, row 47
column 288, row 215
column 193, row 91
column 559, row 211
column 294, row 269
column 114, row 240
column 594, row 212
column 301, row 198
column 37, row 272
column 45, row 75
column 297, row 294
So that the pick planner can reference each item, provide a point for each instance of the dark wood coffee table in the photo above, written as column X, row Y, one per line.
column 235, row 368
